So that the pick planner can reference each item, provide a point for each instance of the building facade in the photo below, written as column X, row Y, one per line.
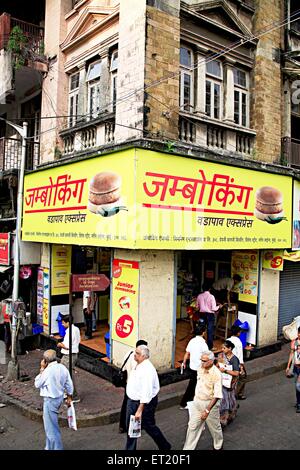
column 170, row 90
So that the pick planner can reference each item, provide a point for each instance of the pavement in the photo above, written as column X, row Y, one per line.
column 100, row 400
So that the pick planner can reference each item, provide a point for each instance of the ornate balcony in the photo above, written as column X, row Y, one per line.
column 88, row 136
column 34, row 34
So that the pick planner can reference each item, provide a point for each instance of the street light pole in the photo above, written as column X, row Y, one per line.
column 13, row 366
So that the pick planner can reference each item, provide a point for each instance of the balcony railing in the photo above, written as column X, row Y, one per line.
column 10, row 154
column 291, row 151
column 88, row 137
column 216, row 137
column 187, row 131
column 33, row 33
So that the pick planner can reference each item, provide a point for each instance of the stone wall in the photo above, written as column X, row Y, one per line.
column 162, row 61
column 266, row 93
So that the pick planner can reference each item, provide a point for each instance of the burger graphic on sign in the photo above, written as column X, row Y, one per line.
column 105, row 194
column 269, row 205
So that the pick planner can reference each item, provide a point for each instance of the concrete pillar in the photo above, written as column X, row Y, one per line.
column 55, row 85
column 156, row 305
column 268, row 307
column 229, row 94
column 201, row 77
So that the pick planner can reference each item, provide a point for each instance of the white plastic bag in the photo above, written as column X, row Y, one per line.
column 72, row 417
column 290, row 331
column 135, row 427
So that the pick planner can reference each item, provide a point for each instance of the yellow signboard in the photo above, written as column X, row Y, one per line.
column 143, row 199
column 272, row 259
column 245, row 263
column 125, row 301
column 89, row 202
column 185, row 203
column 61, row 269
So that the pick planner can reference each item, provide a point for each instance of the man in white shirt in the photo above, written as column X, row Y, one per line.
column 238, row 352
column 75, row 350
column 53, row 380
column 194, row 350
column 129, row 364
column 142, row 389
column 89, row 303
column 222, row 287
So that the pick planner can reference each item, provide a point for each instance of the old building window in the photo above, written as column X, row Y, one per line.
column 214, row 89
column 186, row 80
column 93, row 81
column 241, row 97
column 114, row 62
column 73, row 98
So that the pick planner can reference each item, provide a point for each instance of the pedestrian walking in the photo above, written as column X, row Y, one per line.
column 238, row 352
column 64, row 346
column 208, row 308
column 205, row 406
column 53, row 380
column 142, row 390
column 194, row 350
column 129, row 364
column 294, row 363
column 229, row 365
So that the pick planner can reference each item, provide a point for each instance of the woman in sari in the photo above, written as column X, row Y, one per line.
column 229, row 365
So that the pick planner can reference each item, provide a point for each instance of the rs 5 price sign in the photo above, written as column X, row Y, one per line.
column 125, row 301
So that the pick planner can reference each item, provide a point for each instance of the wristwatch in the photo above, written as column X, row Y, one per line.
column 207, row 411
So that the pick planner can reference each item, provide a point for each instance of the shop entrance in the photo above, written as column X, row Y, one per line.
column 196, row 267
column 89, row 260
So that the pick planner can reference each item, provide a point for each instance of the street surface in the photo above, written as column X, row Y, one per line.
column 266, row 420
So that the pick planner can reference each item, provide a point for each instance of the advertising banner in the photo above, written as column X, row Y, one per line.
column 5, row 249
column 272, row 259
column 46, row 296
column 40, row 296
column 245, row 263
column 149, row 200
column 125, row 301
column 296, row 216
column 61, row 269
column 193, row 204
column 83, row 203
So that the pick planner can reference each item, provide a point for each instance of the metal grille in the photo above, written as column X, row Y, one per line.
column 289, row 306
column 10, row 154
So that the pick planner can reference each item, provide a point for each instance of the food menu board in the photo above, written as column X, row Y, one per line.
column 245, row 263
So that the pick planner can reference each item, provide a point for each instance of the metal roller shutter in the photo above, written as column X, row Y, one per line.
column 289, row 294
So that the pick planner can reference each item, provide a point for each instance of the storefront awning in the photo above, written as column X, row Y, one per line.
column 3, row 269
column 291, row 256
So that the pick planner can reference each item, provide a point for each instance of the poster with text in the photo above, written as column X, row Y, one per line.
column 125, row 301
column 245, row 263
column 60, row 269
column 272, row 259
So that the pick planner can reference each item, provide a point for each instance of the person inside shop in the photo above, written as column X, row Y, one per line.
column 223, row 288
column 208, row 308
column 89, row 304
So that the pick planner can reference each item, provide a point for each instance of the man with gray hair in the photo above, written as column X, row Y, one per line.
column 206, row 403
column 142, row 389
column 53, row 380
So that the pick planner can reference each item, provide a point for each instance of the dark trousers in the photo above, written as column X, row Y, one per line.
column 190, row 391
column 297, row 384
column 210, row 325
column 88, row 317
column 122, row 422
column 148, row 423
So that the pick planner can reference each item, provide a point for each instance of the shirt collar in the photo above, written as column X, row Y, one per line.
column 52, row 363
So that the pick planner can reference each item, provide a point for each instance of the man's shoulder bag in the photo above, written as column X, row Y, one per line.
column 119, row 379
